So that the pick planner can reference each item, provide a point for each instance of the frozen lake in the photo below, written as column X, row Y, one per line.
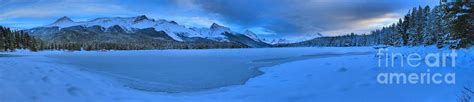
column 243, row 75
column 189, row 70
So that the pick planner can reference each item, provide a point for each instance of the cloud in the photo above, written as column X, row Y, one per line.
column 187, row 4
column 297, row 17
column 195, row 21
column 262, row 31
column 366, row 25
column 33, row 13
column 54, row 8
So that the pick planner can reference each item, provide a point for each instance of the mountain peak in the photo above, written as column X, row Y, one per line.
column 64, row 19
column 216, row 26
column 251, row 35
column 140, row 18
column 173, row 22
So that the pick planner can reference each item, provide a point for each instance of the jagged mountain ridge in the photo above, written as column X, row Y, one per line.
column 132, row 28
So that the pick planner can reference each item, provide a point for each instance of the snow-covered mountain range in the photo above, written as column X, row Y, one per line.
column 131, row 25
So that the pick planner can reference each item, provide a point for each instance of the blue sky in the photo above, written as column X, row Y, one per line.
column 271, row 18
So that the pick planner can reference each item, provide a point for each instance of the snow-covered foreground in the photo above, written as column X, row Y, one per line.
column 242, row 75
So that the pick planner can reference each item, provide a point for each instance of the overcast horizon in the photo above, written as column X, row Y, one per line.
column 267, row 18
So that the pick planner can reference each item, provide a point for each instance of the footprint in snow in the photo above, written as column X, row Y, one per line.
column 342, row 69
column 45, row 79
column 34, row 98
column 73, row 91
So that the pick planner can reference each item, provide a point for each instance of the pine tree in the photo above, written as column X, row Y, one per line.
column 459, row 19
column 402, row 29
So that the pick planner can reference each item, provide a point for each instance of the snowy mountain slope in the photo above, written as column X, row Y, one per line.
column 243, row 39
column 291, row 40
column 43, row 31
column 215, row 32
column 63, row 22
column 277, row 41
column 131, row 25
column 81, row 34
column 252, row 35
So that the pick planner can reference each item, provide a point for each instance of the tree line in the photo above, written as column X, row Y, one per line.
column 93, row 46
column 448, row 25
column 11, row 40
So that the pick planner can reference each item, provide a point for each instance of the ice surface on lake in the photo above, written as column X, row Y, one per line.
column 187, row 70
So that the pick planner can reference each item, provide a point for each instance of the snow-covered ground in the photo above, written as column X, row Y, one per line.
column 236, row 75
